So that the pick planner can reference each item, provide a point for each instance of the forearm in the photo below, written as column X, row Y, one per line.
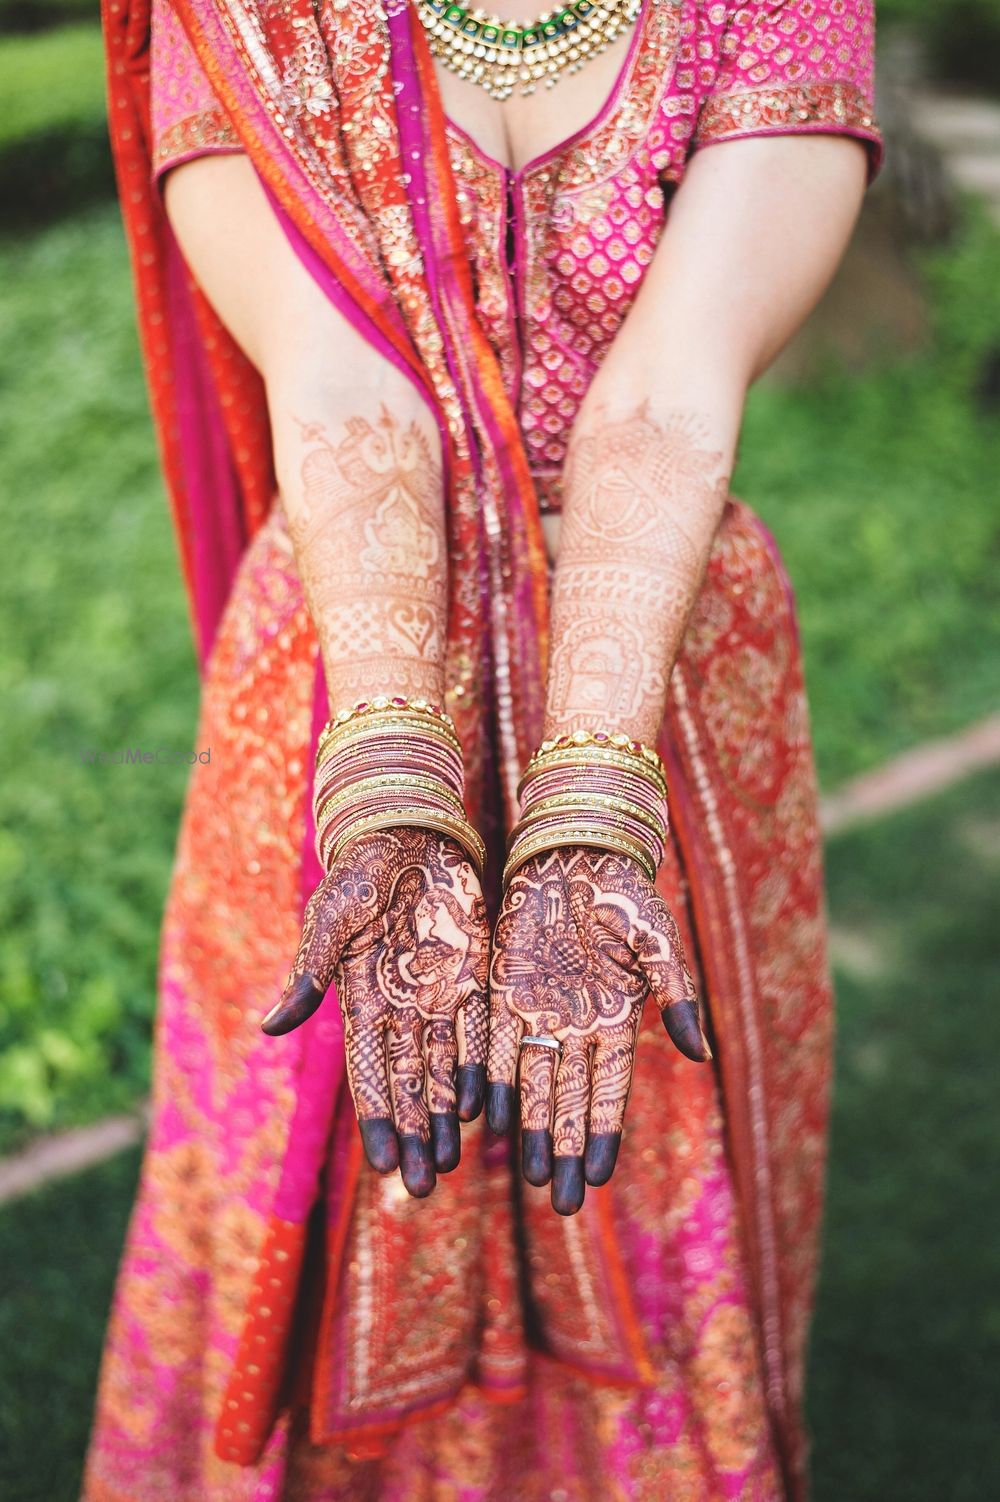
column 361, row 482
column 646, row 483
column 753, row 237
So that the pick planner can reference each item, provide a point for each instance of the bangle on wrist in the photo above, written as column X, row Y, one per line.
column 590, row 788
column 390, row 762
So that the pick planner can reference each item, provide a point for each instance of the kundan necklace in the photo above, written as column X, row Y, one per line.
column 502, row 56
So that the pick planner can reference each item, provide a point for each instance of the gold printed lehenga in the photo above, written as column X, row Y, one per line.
column 287, row 1324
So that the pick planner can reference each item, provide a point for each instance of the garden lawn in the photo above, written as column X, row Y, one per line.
column 95, row 654
column 881, row 490
column 907, row 1338
column 54, row 152
column 50, row 80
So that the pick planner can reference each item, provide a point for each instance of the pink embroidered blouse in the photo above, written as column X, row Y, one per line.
column 559, row 248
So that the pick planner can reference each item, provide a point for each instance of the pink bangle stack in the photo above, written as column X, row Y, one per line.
column 592, row 788
column 390, row 763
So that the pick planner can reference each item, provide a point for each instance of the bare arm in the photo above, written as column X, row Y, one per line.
column 357, row 451
column 399, row 920
column 754, row 235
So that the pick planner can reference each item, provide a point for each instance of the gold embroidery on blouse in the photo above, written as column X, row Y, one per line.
column 207, row 130
column 837, row 105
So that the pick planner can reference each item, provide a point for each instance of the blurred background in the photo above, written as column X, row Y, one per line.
column 873, row 451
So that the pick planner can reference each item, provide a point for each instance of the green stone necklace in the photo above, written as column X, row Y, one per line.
column 502, row 56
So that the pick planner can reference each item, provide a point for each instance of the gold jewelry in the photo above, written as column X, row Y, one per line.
column 367, row 785
column 562, row 835
column 344, row 738
column 586, row 757
column 457, row 829
column 382, row 708
column 571, row 804
column 600, row 740
column 503, row 56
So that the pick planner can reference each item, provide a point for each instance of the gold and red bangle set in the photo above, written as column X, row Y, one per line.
column 592, row 788
column 393, row 761
column 390, row 763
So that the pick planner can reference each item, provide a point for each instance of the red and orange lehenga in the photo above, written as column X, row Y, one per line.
column 287, row 1324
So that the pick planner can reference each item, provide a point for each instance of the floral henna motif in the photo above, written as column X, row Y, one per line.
column 400, row 924
column 582, row 939
column 366, row 514
column 643, row 499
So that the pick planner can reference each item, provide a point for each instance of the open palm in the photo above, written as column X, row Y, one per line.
column 400, row 924
column 583, row 938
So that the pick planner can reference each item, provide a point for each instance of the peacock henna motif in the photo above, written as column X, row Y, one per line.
column 582, row 939
column 400, row 924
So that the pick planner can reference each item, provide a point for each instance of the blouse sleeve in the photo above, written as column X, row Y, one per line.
column 786, row 66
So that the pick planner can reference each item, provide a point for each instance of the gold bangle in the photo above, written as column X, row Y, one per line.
column 381, row 704
column 585, row 758
column 459, row 830
column 359, row 732
column 367, row 785
column 588, row 834
column 615, row 741
column 576, row 803
column 556, row 839
column 342, row 738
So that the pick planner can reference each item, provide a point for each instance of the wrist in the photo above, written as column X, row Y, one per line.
column 594, row 789
column 390, row 762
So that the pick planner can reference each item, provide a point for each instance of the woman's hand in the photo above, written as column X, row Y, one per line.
column 400, row 924
column 582, row 939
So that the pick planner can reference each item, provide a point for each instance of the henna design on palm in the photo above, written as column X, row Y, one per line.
column 400, row 924
column 582, row 939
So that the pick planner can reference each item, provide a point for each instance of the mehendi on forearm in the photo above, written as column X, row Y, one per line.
column 644, row 495
column 367, row 524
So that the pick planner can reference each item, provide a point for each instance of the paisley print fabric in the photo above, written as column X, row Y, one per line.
column 287, row 1324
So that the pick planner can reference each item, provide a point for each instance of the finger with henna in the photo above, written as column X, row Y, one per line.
column 611, row 1081
column 406, row 1087
column 538, row 1072
column 660, row 953
column 367, row 1076
column 474, row 1034
column 333, row 913
column 572, row 1095
column 501, row 1068
column 442, row 1060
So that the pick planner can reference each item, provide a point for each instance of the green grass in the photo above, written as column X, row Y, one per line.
column 907, row 1338
column 54, row 152
column 94, row 653
column 881, row 490
column 49, row 79
column 59, row 1250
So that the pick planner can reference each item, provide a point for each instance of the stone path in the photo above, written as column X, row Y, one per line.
column 68, row 1152
column 905, row 780
column 913, row 776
